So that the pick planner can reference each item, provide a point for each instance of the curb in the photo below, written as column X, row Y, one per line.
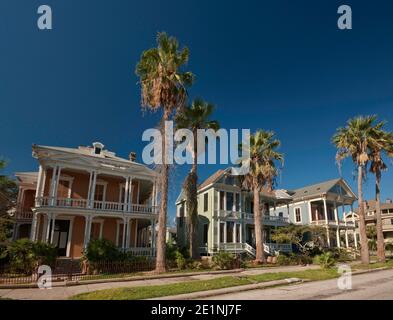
column 215, row 292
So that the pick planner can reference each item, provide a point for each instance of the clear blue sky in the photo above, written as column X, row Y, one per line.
column 279, row 65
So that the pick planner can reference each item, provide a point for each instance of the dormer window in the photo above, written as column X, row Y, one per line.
column 97, row 147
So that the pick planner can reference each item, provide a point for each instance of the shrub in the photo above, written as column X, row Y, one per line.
column 372, row 245
column 195, row 265
column 325, row 260
column 102, row 250
column 180, row 261
column 224, row 260
column 283, row 260
column 25, row 255
column 389, row 247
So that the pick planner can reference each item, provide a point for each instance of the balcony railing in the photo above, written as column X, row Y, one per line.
column 23, row 214
column 333, row 223
column 104, row 206
column 268, row 219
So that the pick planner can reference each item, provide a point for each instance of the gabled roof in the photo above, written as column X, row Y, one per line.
column 318, row 188
column 213, row 178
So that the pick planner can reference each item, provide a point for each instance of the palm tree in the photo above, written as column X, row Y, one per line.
column 383, row 146
column 163, row 87
column 355, row 140
column 263, row 157
column 194, row 117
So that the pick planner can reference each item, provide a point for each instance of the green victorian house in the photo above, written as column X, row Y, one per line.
column 226, row 220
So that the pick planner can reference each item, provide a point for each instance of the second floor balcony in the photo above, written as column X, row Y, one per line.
column 101, row 206
column 249, row 217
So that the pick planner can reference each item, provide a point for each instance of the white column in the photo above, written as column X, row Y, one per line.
column 153, row 233
column 48, row 225
column 124, row 233
column 57, row 185
column 86, row 239
column 338, row 226
column 346, row 227
column 126, row 186
column 43, row 179
column 136, row 232
column 241, row 232
column 93, row 189
column 327, row 222
column 225, row 232
column 39, row 182
column 53, row 185
column 91, row 177
column 53, row 228
column 128, row 232
column 130, row 195
column 234, row 239
column 34, row 227
column 355, row 239
column 218, row 231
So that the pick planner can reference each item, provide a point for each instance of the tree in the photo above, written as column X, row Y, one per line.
column 263, row 158
column 382, row 147
column 8, row 194
column 163, row 87
column 305, row 238
column 194, row 117
column 355, row 140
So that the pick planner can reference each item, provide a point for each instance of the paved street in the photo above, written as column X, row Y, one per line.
column 375, row 285
column 57, row 293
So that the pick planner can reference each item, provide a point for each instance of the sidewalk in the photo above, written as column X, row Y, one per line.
column 60, row 293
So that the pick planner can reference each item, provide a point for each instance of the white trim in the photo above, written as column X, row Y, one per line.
column 101, row 183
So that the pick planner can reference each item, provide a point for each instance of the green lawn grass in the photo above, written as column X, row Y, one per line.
column 146, row 292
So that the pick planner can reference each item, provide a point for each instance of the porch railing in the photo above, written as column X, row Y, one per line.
column 332, row 223
column 249, row 216
column 104, row 206
column 142, row 251
column 270, row 248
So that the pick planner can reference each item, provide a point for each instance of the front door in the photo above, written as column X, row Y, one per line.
column 60, row 236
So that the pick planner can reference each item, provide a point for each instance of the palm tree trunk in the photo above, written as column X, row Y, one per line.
column 161, row 234
column 362, row 222
column 380, row 239
column 194, row 245
column 259, row 257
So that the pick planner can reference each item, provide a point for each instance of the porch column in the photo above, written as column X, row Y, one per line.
column 52, row 228
column 234, row 238
column 338, row 226
column 126, row 186
column 327, row 222
column 52, row 189
column 153, row 233
column 39, row 183
column 123, row 242
column 128, row 233
column 354, row 225
column 130, row 194
column 346, row 238
column 225, row 232
column 241, row 232
column 34, row 226
column 48, row 224
column 88, row 219
column 136, row 232
column 218, row 231
column 92, row 188
column 346, row 227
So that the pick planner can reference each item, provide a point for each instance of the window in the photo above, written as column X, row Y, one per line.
column 281, row 214
column 222, row 198
column 298, row 216
column 237, row 202
column 229, row 201
column 205, row 202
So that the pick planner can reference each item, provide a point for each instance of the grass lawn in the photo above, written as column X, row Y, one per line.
column 146, row 292
column 375, row 265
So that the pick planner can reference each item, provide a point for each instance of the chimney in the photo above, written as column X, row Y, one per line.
column 132, row 156
column 389, row 200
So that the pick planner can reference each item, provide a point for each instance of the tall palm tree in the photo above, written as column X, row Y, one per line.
column 194, row 117
column 163, row 87
column 355, row 140
column 383, row 146
column 263, row 157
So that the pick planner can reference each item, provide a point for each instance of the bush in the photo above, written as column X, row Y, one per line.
column 224, row 260
column 102, row 250
column 372, row 245
column 195, row 265
column 389, row 247
column 283, row 260
column 293, row 259
column 180, row 261
column 325, row 260
column 25, row 255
